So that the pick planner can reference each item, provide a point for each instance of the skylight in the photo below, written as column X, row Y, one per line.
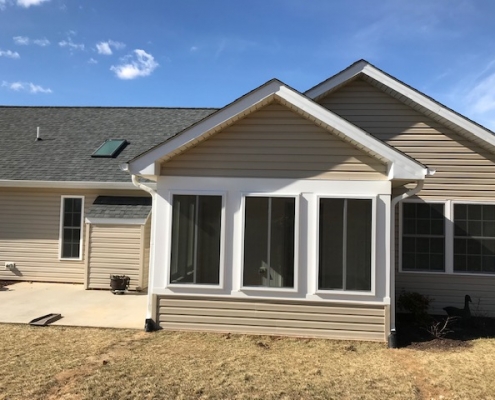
column 111, row 148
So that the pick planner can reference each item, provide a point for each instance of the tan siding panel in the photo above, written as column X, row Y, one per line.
column 296, row 318
column 275, row 142
column 420, row 137
column 114, row 250
column 450, row 289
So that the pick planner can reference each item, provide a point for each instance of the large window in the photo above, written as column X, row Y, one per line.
column 269, row 241
column 71, row 224
column 423, row 237
column 474, row 238
column 196, row 237
column 345, row 240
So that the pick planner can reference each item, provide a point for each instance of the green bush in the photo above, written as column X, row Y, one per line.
column 417, row 305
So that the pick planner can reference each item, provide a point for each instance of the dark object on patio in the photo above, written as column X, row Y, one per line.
column 149, row 325
column 45, row 319
column 460, row 312
column 119, row 283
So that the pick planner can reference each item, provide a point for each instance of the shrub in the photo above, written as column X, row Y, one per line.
column 417, row 305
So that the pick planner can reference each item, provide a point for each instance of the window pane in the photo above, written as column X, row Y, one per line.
column 269, row 241
column 345, row 229
column 196, row 230
column 71, row 227
column 331, row 244
column 282, row 242
column 358, row 266
column 256, row 242
column 424, row 249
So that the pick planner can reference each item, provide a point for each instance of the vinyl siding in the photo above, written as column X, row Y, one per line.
column 275, row 142
column 114, row 250
column 449, row 290
column 269, row 317
column 464, row 169
column 29, row 234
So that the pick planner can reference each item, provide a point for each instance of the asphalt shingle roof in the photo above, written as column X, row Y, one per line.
column 120, row 207
column 71, row 134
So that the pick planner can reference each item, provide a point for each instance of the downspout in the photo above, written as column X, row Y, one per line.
column 149, row 324
column 392, row 339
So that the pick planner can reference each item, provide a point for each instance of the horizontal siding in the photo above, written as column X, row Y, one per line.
column 306, row 319
column 114, row 250
column 29, row 234
column 450, row 289
column 464, row 169
column 275, row 142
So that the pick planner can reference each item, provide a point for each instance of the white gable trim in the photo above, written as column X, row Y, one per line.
column 365, row 68
column 400, row 166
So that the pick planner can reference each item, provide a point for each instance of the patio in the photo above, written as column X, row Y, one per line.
column 24, row 301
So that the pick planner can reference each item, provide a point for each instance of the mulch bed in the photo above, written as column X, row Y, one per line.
column 410, row 335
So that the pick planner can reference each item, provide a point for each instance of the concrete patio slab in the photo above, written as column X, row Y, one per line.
column 23, row 301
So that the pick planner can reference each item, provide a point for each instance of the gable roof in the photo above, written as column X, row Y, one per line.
column 71, row 134
column 400, row 166
column 409, row 96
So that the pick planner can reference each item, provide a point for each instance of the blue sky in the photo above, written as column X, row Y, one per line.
column 196, row 53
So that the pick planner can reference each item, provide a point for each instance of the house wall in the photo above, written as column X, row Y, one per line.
column 114, row 250
column 270, row 317
column 30, row 229
column 464, row 171
column 305, row 292
column 275, row 142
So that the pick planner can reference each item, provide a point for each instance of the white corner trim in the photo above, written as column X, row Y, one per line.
column 115, row 221
column 71, row 184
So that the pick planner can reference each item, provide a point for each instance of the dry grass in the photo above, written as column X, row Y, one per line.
column 76, row 363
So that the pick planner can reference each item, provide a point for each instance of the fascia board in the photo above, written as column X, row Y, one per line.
column 145, row 164
column 71, row 184
column 336, row 80
column 115, row 221
column 405, row 165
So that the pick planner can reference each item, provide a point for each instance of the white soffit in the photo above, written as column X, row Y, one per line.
column 408, row 96
column 400, row 166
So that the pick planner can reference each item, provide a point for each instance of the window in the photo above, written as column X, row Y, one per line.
column 423, row 237
column 71, row 224
column 345, row 241
column 474, row 238
column 269, row 242
column 110, row 148
column 196, row 236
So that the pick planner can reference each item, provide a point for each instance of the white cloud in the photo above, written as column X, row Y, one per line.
column 136, row 65
column 41, row 42
column 25, row 87
column 92, row 61
column 71, row 45
column 21, row 40
column 193, row 48
column 29, row 3
column 24, row 41
column 482, row 96
column 106, row 47
column 9, row 54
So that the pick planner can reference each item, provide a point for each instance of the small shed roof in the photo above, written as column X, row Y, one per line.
column 119, row 208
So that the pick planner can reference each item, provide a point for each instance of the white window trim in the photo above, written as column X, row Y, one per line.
column 61, row 228
column 373, row 246
column 262, row 289
column 221, row 271
column 449, row 236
